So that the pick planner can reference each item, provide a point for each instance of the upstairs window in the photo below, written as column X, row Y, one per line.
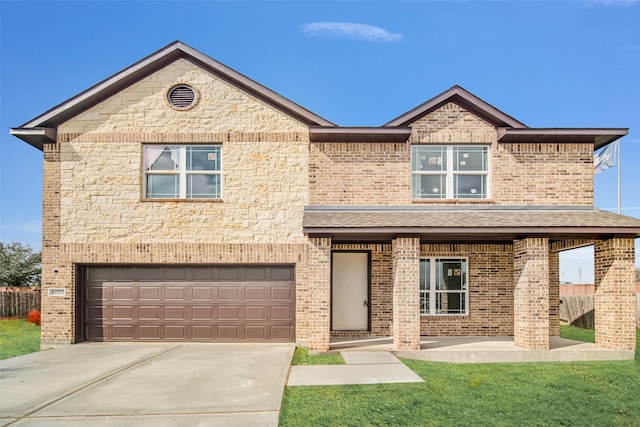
column 449, row 172
column 443, row 286
column 182, row 172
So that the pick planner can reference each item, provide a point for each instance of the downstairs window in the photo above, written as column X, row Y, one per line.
column 443, row 286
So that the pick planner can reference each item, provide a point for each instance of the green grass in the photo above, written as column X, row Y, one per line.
column 302, row 357
column 508, row 394
column 577, row 334
column 18, row 337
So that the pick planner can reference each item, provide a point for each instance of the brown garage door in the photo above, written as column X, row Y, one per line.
column 217, row 303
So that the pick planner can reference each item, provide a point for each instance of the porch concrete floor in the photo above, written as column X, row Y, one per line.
column 484, row 350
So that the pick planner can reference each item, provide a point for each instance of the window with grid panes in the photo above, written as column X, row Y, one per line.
column 443, row 286
column 449, row 172
column 182, row 172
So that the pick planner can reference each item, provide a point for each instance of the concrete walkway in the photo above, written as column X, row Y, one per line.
column 485, row 350
column 362, row 367
column 145, row 385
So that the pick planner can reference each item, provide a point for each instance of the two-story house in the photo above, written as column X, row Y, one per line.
column 183, row 201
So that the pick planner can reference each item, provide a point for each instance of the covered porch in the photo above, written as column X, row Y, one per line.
column 510, row 295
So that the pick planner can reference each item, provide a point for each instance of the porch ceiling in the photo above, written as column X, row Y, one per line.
column 468, row 223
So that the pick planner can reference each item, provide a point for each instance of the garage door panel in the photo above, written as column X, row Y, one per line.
column 256, row 332
column 203, row 332
column 123, row 332
column 255, row 273
column 229, row 273
column 175, row 313
column 120, row 292
column 226, row 303
column 175, row 332
column 281, row 293
column 229, row 313
column 120, row 312
column 95, row 333
column 228, row 294
column 255, row 313
column 201, row 293
column 150, row 312
column 203, row 313
column 97, row 293
column 228, row 332
column 96, row 312
column 282, row 313
column 175, row 293
column 282, row 274
column 149, row 332
column 149, row 293
column 255, row 293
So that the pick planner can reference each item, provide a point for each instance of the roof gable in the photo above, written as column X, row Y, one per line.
column 464, row 99
column 32, row 131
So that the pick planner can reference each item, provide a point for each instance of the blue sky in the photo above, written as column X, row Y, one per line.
column 571, row 63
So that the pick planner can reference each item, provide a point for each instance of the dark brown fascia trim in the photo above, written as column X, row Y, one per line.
column 597, row 136
column 618, row 231
column 36, row 137
column 359, row 134
column 466, row 100
column 154, row 62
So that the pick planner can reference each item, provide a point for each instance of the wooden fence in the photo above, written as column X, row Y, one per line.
column 17, row 302
column 577, row 310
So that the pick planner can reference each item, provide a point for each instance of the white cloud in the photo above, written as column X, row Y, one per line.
column 350, row 30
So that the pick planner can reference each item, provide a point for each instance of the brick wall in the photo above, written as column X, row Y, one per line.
column 490, row 291
column 377, row 173
column 543, row 174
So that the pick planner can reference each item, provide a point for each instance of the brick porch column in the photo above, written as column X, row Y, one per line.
column 406, row 293
column 531, row 293
column 614, row 298
column 319, row 282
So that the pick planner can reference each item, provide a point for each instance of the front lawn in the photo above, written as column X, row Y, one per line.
column 18, row 337
column 507, row 394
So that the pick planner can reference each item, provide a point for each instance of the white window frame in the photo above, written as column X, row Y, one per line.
column 182, row 172
column 433, row 292
column 450, row 173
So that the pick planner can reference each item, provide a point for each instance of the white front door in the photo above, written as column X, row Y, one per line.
column 350, row 291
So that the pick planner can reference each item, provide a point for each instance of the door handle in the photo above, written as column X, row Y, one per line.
column 365, row 303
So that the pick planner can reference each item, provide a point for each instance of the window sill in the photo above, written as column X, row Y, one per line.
column 184, row 200
column 455, row 201
column 444, row 315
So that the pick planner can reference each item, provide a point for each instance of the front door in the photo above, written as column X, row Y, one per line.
column 350, row 291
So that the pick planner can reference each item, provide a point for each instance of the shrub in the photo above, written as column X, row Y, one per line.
column 34, row 317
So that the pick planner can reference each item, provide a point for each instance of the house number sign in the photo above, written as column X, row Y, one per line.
column 57, row 292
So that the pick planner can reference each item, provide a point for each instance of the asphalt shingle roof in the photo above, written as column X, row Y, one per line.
column 576, row 220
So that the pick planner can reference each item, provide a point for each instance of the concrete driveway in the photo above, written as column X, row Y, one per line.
column 146, row 385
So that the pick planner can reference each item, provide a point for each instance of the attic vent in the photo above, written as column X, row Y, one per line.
column 182, row 97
